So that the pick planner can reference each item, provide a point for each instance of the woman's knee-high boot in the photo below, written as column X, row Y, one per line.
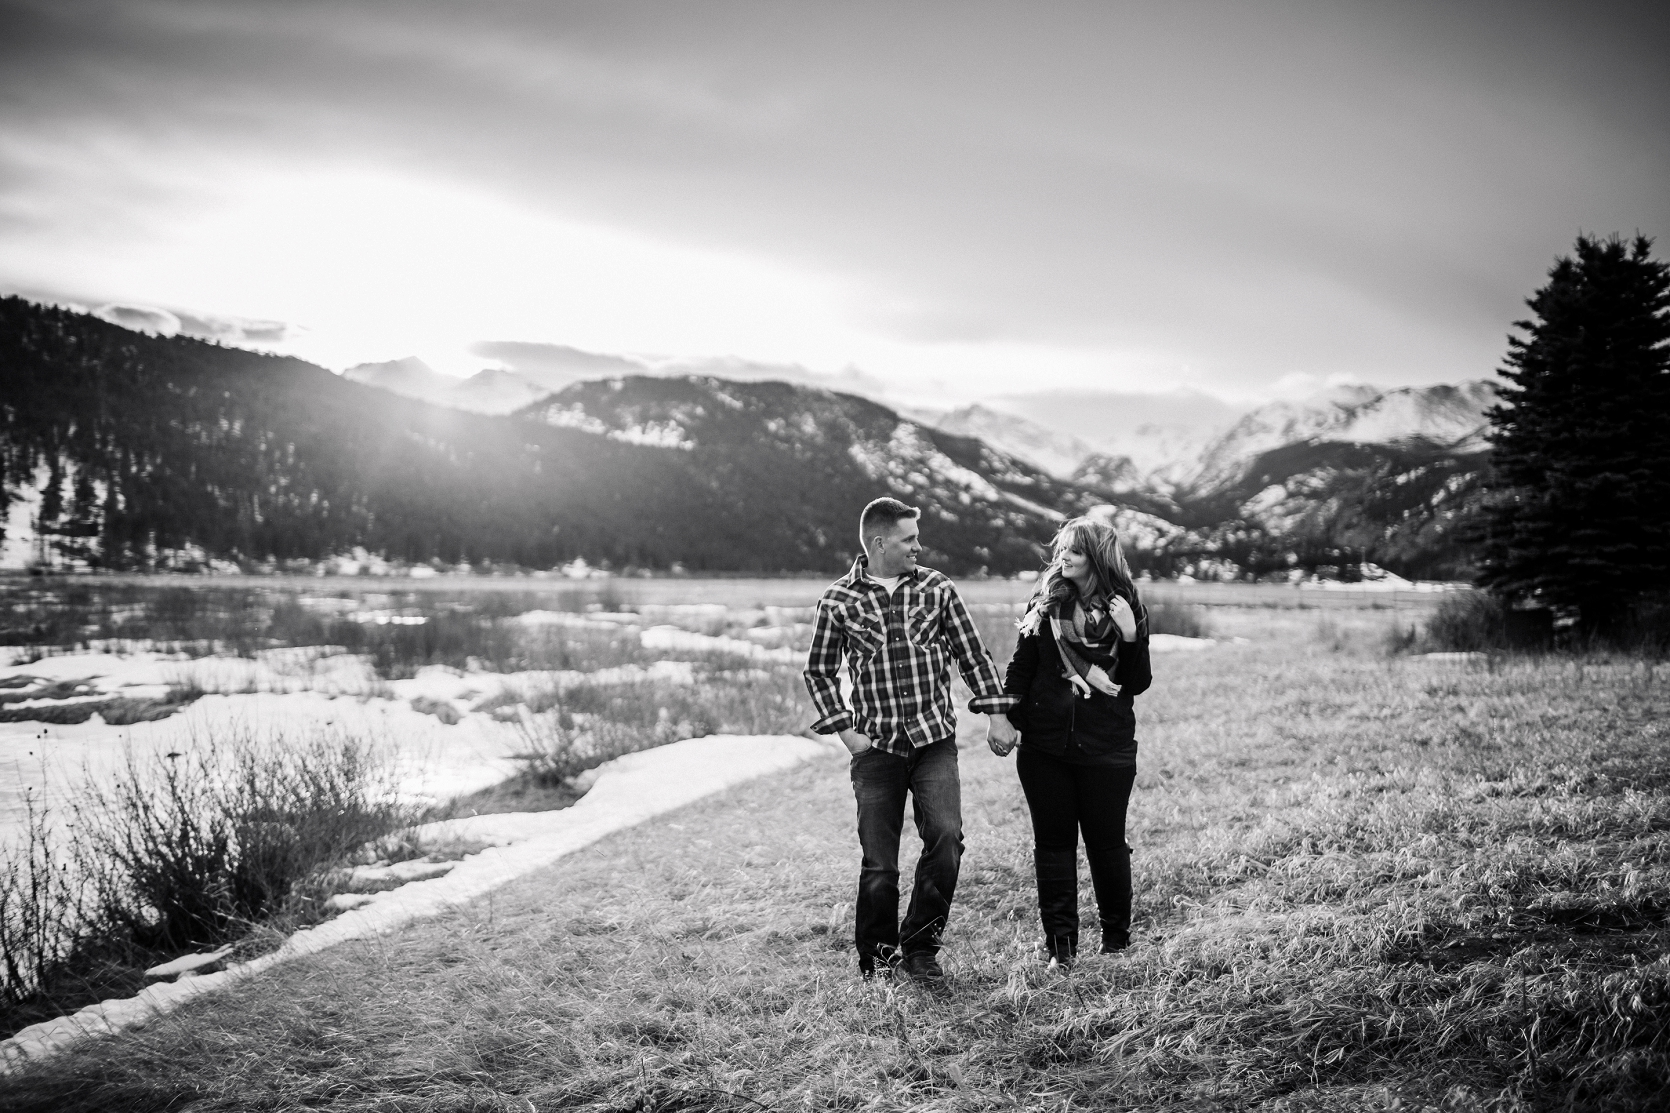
column 1058, row 900
column 1110, row 873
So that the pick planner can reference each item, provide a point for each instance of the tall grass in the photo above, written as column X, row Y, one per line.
column 178, row 852
column 569, row 729
column 193, row 849
column 44, row 911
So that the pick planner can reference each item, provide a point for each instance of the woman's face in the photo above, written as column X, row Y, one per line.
column 1075, row 565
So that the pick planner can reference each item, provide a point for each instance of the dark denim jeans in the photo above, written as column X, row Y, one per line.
column 879, row 782
column 1065, row 798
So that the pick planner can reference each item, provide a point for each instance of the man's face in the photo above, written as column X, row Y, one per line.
column 894, row 552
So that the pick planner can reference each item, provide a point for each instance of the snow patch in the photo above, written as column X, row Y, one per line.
column 631, row 789
column 19, row 542
column 677, row 638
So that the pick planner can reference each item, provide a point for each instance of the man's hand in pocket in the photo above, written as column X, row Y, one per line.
column 854, row 742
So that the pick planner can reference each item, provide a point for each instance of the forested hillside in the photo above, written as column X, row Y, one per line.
column 803, row 457
column 1318, row 505
column 124, row 451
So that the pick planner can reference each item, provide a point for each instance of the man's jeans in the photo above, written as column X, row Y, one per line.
column 880, row 781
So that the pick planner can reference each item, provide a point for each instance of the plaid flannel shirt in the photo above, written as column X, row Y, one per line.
column 898, row 651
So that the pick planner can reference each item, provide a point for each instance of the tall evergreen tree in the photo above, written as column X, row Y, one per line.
column 1579, row 514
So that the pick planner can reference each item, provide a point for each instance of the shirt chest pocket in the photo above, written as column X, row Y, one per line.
column 925, row 623
column 864, row 629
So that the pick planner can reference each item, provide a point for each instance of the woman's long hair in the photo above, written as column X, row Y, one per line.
column 1100, row 543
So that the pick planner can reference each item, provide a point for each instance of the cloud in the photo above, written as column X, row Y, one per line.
column 1245, row 189
column 1300, row 387
column 850, row 380
column 171, row 322
column 554, row 366
column 158, row 321
column 1104, row 417
column 140, row 318
column 236, row 330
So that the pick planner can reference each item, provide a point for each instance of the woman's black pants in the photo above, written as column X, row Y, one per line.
column 1065, row 799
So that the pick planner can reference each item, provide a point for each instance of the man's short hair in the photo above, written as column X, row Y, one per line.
column 883, row 513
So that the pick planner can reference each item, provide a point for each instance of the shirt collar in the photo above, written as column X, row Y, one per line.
column 860, row 574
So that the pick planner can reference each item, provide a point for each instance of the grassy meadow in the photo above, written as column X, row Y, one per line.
column 1364, row 881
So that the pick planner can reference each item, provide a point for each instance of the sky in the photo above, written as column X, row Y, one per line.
column 933, row 202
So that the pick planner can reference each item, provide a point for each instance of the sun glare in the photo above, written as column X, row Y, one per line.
column 375, row 266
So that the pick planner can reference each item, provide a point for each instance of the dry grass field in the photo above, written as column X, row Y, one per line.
column 1363, row 882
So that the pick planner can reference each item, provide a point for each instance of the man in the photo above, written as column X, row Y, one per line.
column 899, row 626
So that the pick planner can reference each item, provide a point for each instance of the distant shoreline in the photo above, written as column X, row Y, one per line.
column 741, row 589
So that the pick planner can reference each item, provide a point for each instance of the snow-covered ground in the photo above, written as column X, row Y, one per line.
column 1371, row 577
column 438, row 728
column 433, row 760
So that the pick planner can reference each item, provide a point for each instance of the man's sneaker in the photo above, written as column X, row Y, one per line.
column 924, row 969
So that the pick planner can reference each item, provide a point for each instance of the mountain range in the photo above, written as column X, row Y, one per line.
column 1218, row 445
column 490, row 391
column 1350, row 475
column 122, row 450
column 119, row 449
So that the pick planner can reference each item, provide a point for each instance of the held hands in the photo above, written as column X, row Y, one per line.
column 854, row 742
column 1000, row 735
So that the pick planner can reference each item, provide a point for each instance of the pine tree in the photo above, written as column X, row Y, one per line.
column 1579, row 513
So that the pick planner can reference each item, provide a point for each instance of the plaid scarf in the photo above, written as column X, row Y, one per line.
column 1086, row 630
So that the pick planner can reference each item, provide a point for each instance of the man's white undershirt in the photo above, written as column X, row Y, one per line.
column 887, row 584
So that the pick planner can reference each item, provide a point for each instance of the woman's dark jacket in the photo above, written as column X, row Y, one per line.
column 1053, row 718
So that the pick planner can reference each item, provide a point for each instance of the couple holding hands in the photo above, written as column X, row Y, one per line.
column 1081, row 656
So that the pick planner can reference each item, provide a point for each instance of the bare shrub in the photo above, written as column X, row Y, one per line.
column 187, row 849
column 1480, row 621
column 1468, row 621
column 43, row 916
column 583, row 648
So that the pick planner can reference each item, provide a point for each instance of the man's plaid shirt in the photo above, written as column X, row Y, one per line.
column 898, row 651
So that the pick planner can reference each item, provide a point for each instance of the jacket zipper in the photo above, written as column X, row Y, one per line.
column 1072, row 713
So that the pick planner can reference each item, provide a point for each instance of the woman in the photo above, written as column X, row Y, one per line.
column 1081, row 657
